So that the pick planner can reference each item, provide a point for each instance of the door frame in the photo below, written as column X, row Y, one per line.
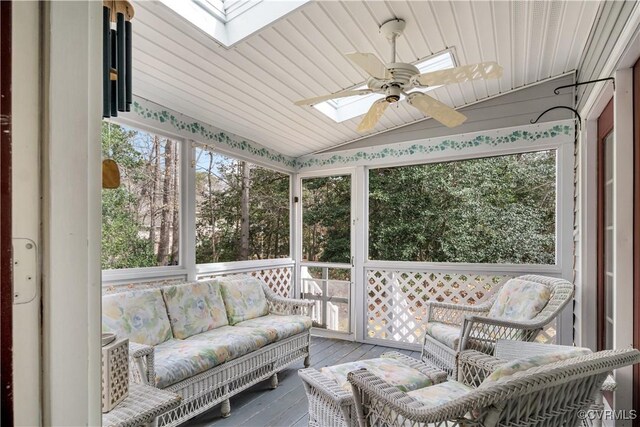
column 636, row 232
column 6, row 275
column 605, row 127
column 353, row 316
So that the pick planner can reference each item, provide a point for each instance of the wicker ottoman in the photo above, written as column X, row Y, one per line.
column 331, row 400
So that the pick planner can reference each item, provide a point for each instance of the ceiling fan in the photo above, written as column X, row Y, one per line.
column 397, row 78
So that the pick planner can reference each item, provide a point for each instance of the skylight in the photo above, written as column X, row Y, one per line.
column 230, row 21
column 342, row 109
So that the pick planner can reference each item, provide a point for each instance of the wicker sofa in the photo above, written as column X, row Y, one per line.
column 207, row 341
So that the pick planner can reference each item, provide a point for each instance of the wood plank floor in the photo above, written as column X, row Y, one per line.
column 287, row 405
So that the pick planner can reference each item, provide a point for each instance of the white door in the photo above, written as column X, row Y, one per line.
column 326, row 250
column 26, row 179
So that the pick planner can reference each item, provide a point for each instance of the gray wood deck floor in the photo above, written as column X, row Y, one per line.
column 287, row 405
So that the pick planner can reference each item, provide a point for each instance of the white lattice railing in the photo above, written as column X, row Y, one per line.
column 396, row 300
column 278, row 277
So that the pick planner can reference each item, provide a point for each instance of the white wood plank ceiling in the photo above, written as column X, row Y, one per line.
column 250, row 89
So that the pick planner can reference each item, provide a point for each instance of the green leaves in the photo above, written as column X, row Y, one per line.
column 492, row 210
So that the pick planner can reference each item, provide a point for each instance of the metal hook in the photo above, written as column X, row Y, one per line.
column 557, row 90
column 556, row 107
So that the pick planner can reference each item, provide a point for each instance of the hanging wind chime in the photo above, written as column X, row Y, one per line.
column 116, row 71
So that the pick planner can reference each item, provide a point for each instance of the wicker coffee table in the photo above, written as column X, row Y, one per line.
column 143, row 406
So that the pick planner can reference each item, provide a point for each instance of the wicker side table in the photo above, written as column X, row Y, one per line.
column 143, row 406
column 510, row 350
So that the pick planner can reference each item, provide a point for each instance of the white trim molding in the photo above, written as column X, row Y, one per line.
column 623, row 237
column 151, row 115
column 71, row 213
column 456, row 147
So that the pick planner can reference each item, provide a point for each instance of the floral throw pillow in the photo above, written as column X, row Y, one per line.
column 194, row 308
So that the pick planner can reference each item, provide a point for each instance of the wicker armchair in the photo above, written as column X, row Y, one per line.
column 555, row 394
column 472, row 327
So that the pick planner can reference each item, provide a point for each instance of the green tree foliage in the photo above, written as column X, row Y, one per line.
column 219, row 189
column 326, row 217
column 132, row 213
column 491, row 210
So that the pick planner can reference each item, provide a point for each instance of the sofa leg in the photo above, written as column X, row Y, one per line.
column 273, row 381
column 226, row 408
column 307, row 361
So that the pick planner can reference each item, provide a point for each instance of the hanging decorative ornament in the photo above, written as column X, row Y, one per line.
column 116, row 57
column 110, row 170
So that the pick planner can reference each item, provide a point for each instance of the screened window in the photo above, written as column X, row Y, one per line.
column 242, row 210
column 488, row 210
column 326, row 219
column 141, row 218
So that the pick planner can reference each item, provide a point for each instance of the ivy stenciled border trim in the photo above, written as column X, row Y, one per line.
column 190, row 128
column 375, row 154
column 182, row 124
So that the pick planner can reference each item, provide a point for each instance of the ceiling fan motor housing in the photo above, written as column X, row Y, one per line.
column 393, row 93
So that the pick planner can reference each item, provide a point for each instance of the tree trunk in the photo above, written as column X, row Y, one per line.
column 154, row 189
column 163, row 245
column 175, row 223
column 244, row 211
column 214, row 254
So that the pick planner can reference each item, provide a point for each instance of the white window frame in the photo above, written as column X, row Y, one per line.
column 360, row 232
column 126, row 275
column 251, row 265
column 187, row 269
column 564, row 196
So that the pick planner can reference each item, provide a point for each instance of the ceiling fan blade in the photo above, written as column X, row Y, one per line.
column 342, row 94
column 373, row 115
column 482, row 70
column 369, row 63
column 436, row 109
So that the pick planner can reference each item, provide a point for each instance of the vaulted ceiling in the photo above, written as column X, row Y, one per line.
column 249, row 89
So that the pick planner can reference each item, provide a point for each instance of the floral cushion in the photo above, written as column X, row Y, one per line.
column 244, row 299
column 279, row 326
column 520, row 365
column 237, row 340
column 440, row 394
column 448, row 335
column 520, row 300
column 177, row 360
column 140, row 316
column 194, row 308
column 391, row 370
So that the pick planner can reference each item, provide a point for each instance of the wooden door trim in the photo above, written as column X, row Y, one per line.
column 605, row 126
column 6, row 275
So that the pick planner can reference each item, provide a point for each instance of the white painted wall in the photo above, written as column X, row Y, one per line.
column 71, row 214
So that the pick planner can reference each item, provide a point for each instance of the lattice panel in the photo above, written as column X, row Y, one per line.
column 279, row 279
column 396, row 300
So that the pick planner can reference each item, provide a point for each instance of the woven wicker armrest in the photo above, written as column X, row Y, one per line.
column 325, row 386
column 397, row 407
column 435, row 374
column 142, row 362
column 454, row 314
column 286, row 306
column 481, row 333
column 474, row 367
